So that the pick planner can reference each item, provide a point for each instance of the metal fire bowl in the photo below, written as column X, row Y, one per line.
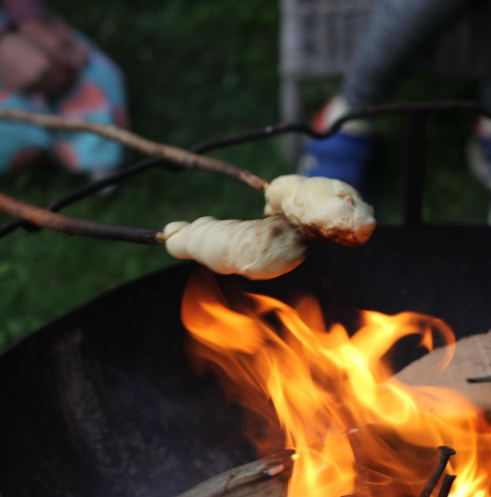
column 103, row 403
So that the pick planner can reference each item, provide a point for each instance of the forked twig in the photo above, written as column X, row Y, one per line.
column 72, row 226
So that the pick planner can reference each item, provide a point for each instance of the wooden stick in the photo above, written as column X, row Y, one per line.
column 174, row 155
column 80, row 227
column 267, row 477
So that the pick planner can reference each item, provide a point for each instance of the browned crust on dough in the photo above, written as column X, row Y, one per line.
column 346, row 237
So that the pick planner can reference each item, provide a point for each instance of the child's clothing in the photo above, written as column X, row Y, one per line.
column 99, row 96
column 397, row 32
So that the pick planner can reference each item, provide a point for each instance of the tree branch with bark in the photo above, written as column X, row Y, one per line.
column 81, row 227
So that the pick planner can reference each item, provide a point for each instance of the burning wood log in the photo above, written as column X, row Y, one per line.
column 472, row 359
column 267, row 477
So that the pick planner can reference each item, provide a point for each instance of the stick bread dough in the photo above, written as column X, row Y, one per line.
column 321, row 208
column 258, row 249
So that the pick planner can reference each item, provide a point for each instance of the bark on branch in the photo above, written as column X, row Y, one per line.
column 72, row 226
column 174, row 155
column 79, row 227
column 267, row 477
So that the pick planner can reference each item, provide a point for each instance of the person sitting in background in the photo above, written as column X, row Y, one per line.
column 398, row 31
column 46, row 66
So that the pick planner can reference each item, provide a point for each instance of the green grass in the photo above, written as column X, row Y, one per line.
column 197, row 71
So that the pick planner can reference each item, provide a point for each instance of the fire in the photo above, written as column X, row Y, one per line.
column 330, row 397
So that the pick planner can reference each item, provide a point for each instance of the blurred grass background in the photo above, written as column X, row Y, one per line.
column 198, row 71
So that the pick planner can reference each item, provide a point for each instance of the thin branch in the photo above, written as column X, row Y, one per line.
column 174, row 155
column 72, row 226
column 267, row 477
column 86, row 190
column 79, row 227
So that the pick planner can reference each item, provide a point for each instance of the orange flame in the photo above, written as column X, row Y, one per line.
column 327, row 393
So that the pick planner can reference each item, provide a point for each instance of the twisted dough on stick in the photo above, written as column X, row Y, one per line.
column 321, row 208
column 259, row 249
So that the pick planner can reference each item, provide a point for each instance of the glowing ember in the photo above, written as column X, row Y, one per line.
column 354, row 430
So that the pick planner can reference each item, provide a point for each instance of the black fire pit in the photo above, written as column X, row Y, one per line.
column 102, row 402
